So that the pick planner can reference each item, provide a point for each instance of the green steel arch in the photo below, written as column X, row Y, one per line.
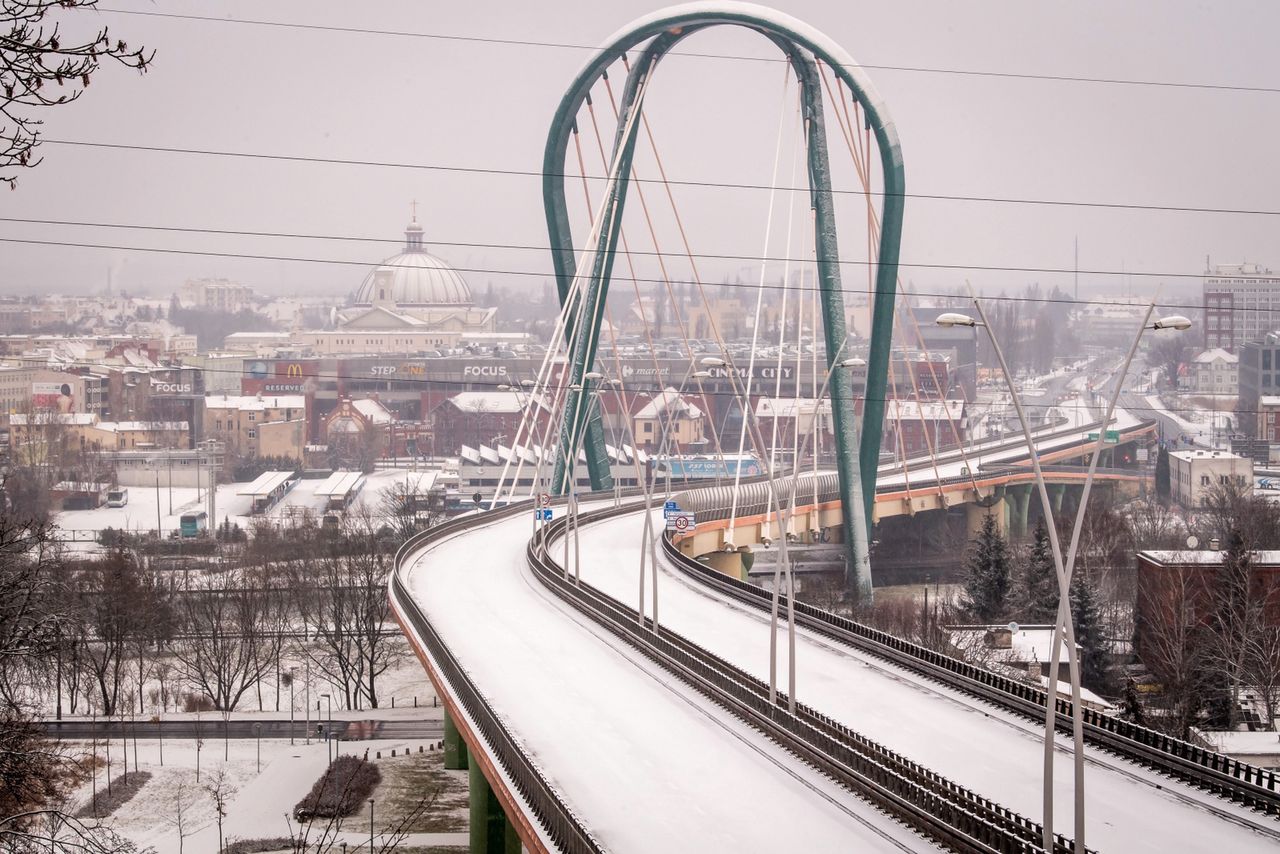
column 804, row 47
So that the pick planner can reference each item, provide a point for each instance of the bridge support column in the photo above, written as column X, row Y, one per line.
column 1021, row 502
column 976, row 513
column 1056, row 492
column 455, row 749
column 491, row 830
column 732, row 564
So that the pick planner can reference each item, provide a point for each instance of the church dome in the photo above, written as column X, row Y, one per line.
column 415, row 277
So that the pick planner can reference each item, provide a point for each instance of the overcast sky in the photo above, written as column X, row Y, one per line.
column 414, row 100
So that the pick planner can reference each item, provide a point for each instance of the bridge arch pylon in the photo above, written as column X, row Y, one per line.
column 804, row 47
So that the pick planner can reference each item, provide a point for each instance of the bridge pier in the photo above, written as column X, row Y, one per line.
column 455, row 749
column 1021, row 502
column 732, row 564
column 491, row 830
column 1056, row 493
column 976, row 513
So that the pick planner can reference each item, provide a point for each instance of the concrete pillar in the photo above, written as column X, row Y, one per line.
column 455, row 749
column 730, row 563
column 491, row 830
column 1018, row 507
column 976, row 513
column 1056, row 492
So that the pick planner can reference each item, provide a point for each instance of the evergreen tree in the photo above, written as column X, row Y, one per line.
column 1086, row 614
column 1037, row 593
column 1164, row 486
column 987, row 572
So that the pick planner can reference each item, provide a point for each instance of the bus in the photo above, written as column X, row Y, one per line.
column 194, row 524
column 117, row 497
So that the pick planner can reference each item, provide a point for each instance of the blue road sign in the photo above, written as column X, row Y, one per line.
column 670, row 507
column 542, row 514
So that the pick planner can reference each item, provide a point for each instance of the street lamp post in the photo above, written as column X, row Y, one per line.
column 783, row 568
column 257, row 738
column 328, row 736
column 292, row 670
column 371, row 826
column 1176, row 322
column 951, row 319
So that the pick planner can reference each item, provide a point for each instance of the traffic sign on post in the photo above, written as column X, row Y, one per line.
column 545, row 499
column 670, row 507
column 681, row 523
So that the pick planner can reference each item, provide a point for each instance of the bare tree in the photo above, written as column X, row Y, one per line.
column 116, row 606
column 180, row 801
column 220, row 790
column 1171, row 647
column 221, row 641
column 34, row 56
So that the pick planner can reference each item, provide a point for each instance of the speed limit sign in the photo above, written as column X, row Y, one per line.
column 681, row 523
column 545, row 499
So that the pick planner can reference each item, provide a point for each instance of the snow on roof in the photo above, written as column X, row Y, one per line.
column 668, row 397
column 1203, row 454
column 1204, row 557
column 1269, row 400
column 924, row 410
column 135, row 426
column 488, row 401
column 1216, row 354
column 255, row 403
column 339, row 484
column 789, row 407
column 373, row 410
column 267, row 482
column 70, row 419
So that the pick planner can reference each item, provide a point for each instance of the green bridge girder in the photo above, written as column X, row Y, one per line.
column 804, row 48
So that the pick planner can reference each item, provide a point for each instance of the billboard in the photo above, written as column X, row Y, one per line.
column 57, row 396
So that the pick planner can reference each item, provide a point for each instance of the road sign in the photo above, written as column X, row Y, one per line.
column 670, row 507
column 543, row 514
column 1113, row 437
column 681, row 523
column 1142, row 455
column 545, row 499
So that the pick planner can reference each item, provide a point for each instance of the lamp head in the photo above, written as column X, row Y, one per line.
column 594, row 376
column 712, row 362
column 952, row 318
column 1173, row 321
column 702, row 375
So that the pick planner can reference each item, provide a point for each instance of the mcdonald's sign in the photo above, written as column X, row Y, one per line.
column 294, row 369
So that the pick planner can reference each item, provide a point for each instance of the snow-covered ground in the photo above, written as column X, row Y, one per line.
column 996, row 754
column 140, row 514
column 258, row 801
column 648, row 764
column 1201, row 426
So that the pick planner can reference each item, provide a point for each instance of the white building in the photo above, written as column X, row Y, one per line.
column 1193, row 473
column 1215, row 371
column 1240, row 304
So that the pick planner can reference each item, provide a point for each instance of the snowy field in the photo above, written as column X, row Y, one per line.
column 140, row 513
column 996, row 754
column 258, row 800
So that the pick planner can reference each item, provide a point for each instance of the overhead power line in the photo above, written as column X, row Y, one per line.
column 558, row 45
column 643, row 280
column 728, row 185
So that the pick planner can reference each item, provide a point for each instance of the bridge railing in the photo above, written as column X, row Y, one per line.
column 1249, row 784
column 557, row 819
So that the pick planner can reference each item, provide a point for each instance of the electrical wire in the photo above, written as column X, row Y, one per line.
column 510, row 42
column 728, row 185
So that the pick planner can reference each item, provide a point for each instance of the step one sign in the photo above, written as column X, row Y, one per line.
column 681, row 523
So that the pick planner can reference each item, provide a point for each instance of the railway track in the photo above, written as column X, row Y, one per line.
column 937, row 808
column 558, row 821
column 1258, row 788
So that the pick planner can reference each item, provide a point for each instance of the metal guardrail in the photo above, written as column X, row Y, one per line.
column 919, row 797
column 1238, row 781
column 557, row 819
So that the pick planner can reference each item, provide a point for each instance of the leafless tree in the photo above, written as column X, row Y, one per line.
column 1172, row 647
column 116, row 606
column 221, row 642
column 220, row 790
column 1262, row 670
column 41, row 69
column 343, row 599
column 180, row 802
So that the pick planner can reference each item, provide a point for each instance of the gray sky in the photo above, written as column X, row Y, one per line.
column 415, row 100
